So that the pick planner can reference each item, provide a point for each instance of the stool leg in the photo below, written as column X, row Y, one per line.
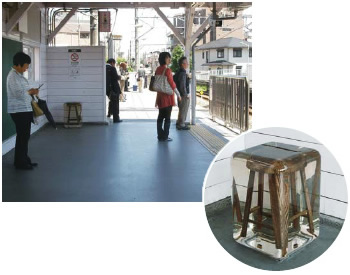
column 235, row 205
column 316, row 183
column 68, row 115
column 296, row 222
column 248, row 203
column 76, row 114
column 260, row 198
column 307, row 200
column 279, row 198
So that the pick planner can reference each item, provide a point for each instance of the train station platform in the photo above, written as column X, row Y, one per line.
column 118, row 162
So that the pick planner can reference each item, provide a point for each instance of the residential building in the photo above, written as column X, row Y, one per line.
column 225, row 54
column 76, row 32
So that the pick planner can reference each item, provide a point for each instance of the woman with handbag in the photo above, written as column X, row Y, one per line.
column 165, row 102
column 123, row 77
column 19, row 106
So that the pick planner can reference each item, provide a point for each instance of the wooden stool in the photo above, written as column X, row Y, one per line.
column 77, row 108
column 281, row 162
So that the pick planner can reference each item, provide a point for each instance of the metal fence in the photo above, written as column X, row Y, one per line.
column 229, row 101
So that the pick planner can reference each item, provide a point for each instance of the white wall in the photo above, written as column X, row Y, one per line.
column 333, row 191
column 88, row 88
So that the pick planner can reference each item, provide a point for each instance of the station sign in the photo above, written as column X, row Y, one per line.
column 104, row 21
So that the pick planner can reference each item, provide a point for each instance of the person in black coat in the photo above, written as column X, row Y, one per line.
column 113, row 90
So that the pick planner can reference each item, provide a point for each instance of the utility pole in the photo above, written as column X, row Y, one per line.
column 92, row 28
column 130, row 54
column 137, row 61
column 213, row 28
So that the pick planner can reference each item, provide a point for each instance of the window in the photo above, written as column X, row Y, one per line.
column 202, row 55
column 250, row 52
column 238, row 70
column 220, row 53
column 196, row 21
column 237, row 52
column 219, row 70
column 84, row 35
column 29, row 74
column 32, row 74
column 202, row 20
column 207, row 56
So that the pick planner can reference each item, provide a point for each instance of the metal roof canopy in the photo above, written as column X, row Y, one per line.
column 131, row 5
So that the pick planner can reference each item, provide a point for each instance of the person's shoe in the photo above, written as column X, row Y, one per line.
column 108, row 116
column 34, row 164
column 184, row 128
column 117, row 121
column 168, row 139
column 24, row 167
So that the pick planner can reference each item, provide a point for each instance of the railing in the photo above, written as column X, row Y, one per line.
column 229, row 101
column 205, row 75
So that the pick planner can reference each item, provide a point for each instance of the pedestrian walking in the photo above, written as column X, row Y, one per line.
column 141, row 73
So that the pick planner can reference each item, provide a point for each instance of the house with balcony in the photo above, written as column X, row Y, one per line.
column 226, row 56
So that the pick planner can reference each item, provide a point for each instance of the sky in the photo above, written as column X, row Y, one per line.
column 125, row 26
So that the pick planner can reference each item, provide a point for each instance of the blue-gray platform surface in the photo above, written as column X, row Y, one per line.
column 120, row 162
column 220, row 222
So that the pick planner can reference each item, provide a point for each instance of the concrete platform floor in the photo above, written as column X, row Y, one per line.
column 221, row 225
column 118, row 162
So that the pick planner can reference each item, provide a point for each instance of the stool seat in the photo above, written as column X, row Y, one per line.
column 280, row 162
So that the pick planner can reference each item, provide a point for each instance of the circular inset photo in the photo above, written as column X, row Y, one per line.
column 275, row 198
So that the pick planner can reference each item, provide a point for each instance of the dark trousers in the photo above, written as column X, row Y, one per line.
column 164, row 115
column 113, row 109
column 23, row 125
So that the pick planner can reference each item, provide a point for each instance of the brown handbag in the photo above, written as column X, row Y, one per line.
column 36, row 109
column 151, row 84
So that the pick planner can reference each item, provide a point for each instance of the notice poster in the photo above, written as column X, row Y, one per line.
column 74, row 56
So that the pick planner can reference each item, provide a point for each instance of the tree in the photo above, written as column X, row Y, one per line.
column 176, row 54
column 120, row 60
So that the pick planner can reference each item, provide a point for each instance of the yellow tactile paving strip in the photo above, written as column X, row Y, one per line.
column 212, row 142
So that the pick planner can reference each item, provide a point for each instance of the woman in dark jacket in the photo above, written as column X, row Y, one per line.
column 165, row 102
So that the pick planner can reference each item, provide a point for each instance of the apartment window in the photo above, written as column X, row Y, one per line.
column 202, row 20
column 220, row 53
column 250, row 52
column 84, row 35
column 202, row 55
column 206, row 56
column 237, row 52
column 196, row 20
column 238, row 70
column 219, row 70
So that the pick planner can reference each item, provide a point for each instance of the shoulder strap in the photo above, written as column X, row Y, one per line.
column 164, row 71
